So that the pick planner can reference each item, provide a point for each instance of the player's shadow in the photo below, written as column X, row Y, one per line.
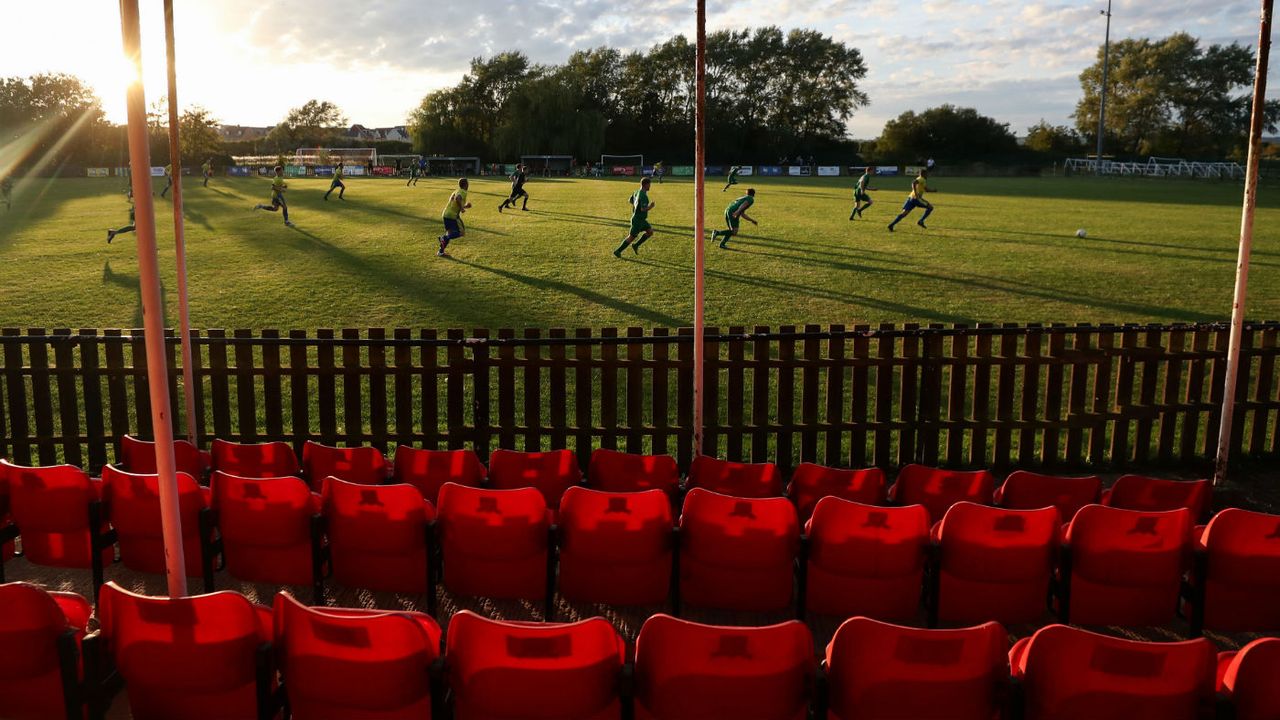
column 196, row 216
column 1224, row 256
column 380, row 209
column 580, row 219
column 132, row 284
column 1099, row 239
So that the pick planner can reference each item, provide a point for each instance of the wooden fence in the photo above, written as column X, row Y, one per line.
column 993, row 396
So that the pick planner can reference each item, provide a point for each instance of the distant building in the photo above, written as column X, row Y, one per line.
column 232, row 133
column 399, row 133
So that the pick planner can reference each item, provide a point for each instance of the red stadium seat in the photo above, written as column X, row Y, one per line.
column 551, row 473
column 494, row 542
column 260, row 460
column 865, row 560
column 613, row 471
column 1124, row 567
column 1248, row 678
column 994, row 563
column 615, row 547
column 689, row 671
column 1024, row 490
column 139, row 457
column 877, row 670
column 1069, row 673
column 53, row 508
column 343, row 663
column 269, row 530
column 428, row 470
column 555, row 671
column 1136, row 492
column 39, row 654
column 810, row 483
column 360, row 465
column 198, row 658
column 1238, row 583
column 749, row 480
column 937, row 489
column 8, row 528
column 134, row 502
column 737, row 553
column 378, row 535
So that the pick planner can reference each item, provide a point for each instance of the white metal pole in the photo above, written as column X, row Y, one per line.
column 179, row 230
column 152, row 303
column 699, row 224
column 1256, row 123
column 1102, row 91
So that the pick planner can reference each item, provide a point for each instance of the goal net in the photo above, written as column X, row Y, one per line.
column 548, row 164
column 453, row 165
column 622, row 164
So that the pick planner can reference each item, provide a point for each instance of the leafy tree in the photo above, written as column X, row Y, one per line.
column 957, row 134
column 317, row 123
column 198, row 134
column 55, row 118
column 1055, row 140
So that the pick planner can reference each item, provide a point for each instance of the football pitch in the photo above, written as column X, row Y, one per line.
column 997, row 250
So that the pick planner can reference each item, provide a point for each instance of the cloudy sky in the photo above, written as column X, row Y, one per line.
column 249, row 61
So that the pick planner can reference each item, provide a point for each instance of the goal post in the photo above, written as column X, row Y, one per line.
column 452, row 165
column 622, row 164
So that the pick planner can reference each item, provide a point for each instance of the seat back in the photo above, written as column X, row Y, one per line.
column 938, row 489
column 494, row 542
column 191, row 657
column 1138, row 492
column 737, row 553
column 749, row 480
column 360, row 465
column 254, row 460
column 428, row 470
column 1250, row 678
column 615, row 547
column 31, row 622
column 139, row 456
column 550, row 473
column 51, row 507
column 687, row 670
column 377, row 535
column 134, row 502
column 614, row 471
column 534, row 670
column 265, row 525
column 1024, row 490
column 353, row 663
column 810, row 483
column 1072, row 673
column 877, row 670
column 1242, row 582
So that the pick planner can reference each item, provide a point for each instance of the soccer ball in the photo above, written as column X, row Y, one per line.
column 1081, row 233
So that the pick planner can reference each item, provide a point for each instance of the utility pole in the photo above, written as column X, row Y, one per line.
column 1102, row 91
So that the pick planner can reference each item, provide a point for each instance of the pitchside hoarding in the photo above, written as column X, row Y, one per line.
column 98, row 172
column 913, row 169
column 828, row 171
column 323, row 170
column 769, row 170
column 157, row 171
column 353, row 170
column 746, row 170
column 887, row 170
column 239, row 171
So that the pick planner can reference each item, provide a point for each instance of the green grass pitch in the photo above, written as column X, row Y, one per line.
column 1000, row 250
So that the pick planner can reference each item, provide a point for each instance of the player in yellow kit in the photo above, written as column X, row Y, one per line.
column 919, row 187
column 452, row 216
column 278, row 186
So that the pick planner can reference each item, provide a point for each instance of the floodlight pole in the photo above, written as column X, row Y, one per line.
column 1256, row 122
column 1102, row 91
column 699, row 224
column 152, row 303
column 179, row 231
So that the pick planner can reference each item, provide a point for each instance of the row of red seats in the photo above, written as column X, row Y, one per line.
column 219, row 656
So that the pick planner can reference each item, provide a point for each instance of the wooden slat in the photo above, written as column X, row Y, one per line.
column 1172, row 388
column 559, row 400
column 981, row 398
column 117, row 386
column 68, row 396
column 582, row 389
column 326, row 388
column 1152, row 338
column 299, row 390
column 684, row 400
column 835, row 398
column 377, row 357
column 482, row 439
column 884, row 399
column 1217, row 377
column 1242, row 393
column 141, row 390
column 246, row 392
column 198, row 376
column 1262, row 392
column 858, row 399
column 1029, row 411
column 635, row 392
column 41, row 395
column 930, row 398
column 711, row 394
column 608, row 391
column 1081, row 352
column 660, row 403
column 786, row 395
column 177, row 402
column 429, row 361
column 402, row 381
column 1006, row 376
column 94, row 418
column 533, row 392
column 16, row 389
column 506, row 366
column 454, row 418
column 809, row 396
column 760, row 357
column 1102, row 398
column 1050, row 453
column 1194, row 394
column 1121, row 451
column 352, row 391
column 909, row 397
column 272, row 386
column 735, row 394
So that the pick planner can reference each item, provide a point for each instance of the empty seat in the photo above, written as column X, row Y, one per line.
column 749, row 480
column 344, row 663
column 615, row 547
column 614, row 471
column 254, row 460
column 494, row 542
column 428, row 470
column 810, row 483
column 994, row 563
column 360, row 465
column 134, row 501
column 377, row 535
column 548, row 671
column 938, row 489
column 688, row 671
column 1125, row 566
column 267, row 530
column 1137, row 492
column 551, row 473
column 865, row 560
column 39, row 633
column 1239, row 581
column 139, row 456
column 1024, row 490
column 1069, row 673
column 1248, row 678
column 877, row 670
column 204, row 657
column 737, row 553
column 50, row 506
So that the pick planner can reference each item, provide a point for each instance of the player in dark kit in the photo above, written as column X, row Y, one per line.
column 111, row 234
column 517, row 190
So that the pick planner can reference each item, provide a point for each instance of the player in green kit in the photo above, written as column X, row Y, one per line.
column 641, row 230
column 733, row 216
column 413, row 175
column 733, row 177
column 278, row 186
column 168, row 176
column 452, row 216
column 919, row 187
column 111, row 234
column 337, row 182
column 860, row 195
column 207, row 169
